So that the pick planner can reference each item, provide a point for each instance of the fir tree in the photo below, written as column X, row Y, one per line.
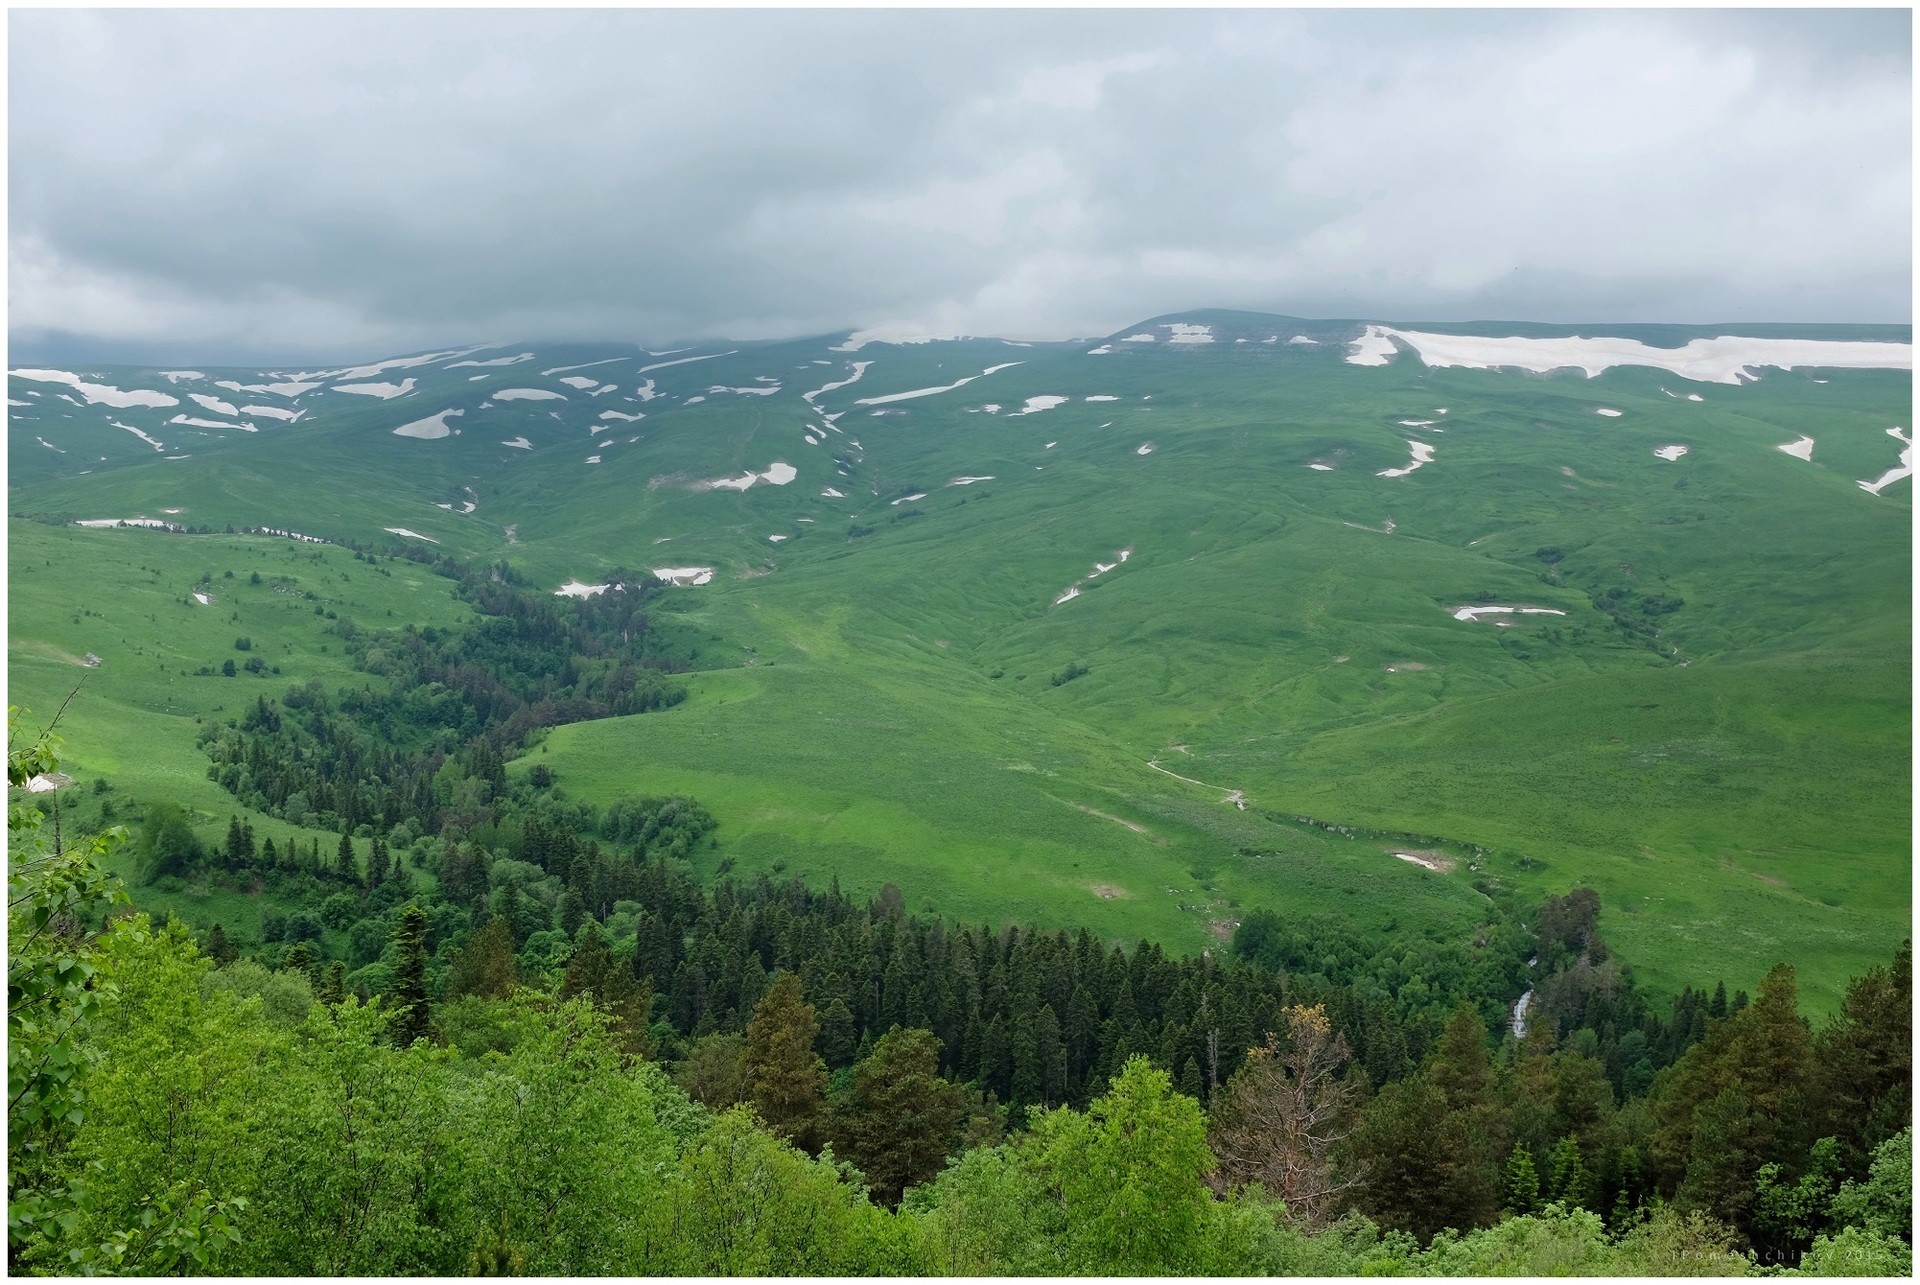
column 1520, row 1187
column 485, row 966
column 347, row 867
column 785, row 1079
column 333, row 986
column 409, row 993
column 1569, row 1183
column 899, row 1120
column 218, row 948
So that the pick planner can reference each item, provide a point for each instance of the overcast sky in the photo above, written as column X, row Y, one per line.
column 279, row 185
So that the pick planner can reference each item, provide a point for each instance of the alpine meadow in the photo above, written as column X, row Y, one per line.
column 1233, row 794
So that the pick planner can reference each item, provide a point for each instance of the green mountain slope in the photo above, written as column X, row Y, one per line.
column 1711, row 727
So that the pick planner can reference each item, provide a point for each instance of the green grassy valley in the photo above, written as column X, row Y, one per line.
column 1021, row 646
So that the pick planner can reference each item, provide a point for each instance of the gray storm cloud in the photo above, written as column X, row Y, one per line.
column 266, row 185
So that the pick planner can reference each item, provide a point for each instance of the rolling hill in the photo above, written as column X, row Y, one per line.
column 1224, row 610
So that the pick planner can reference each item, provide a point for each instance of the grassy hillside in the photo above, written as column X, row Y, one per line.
column 1713, row 730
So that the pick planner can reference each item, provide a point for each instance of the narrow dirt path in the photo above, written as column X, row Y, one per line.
column 1235, row 797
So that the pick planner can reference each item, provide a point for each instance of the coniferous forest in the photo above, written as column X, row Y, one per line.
column 504, row 1031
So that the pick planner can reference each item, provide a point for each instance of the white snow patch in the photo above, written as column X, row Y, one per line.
column 1724, row 359
column 144, row 522
column 528, row 395
column 859, row 369
column 575, row 589
column 175, row 376
column 1101, row 397
column 102, row 394
column 1800, row 450
column 1301, row 340
column 287, row 388
column 192, row 422
column 384, row 391
column 928, row 392
column 777, row 473
column 969, row 481
column 1073, row 591
column 1608, row 411
column 1422, row 454
column 1416, row 423
column 1145, row 448
column 579, row 381
column 838, row 495
column 662, row 365
column 1101, row 351
column 750, row 392
column 493, row 361
column 775, row 539
column 1893, row 475
column 519, row 443
column 155, row 443
column 204, row 599
column 1669, row 452
column 585, row 365
column 1181, row 332
column 1142, row 338
column 646, row 392
column 622, row 415
column 433, row 426
column 273, row 412
column 1372, row 348
column 917, row 495
column 683, row 575
column 411, row 535
column 49, row 445
column 1474, row 613
column 1045, row 401
column 1321, row 468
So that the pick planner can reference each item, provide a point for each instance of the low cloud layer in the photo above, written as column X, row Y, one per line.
column 269, row 185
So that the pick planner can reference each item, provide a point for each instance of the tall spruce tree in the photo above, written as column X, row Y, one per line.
column 411, row 1017
column 899, row 1120
column 785, row 1079
column 485, row 966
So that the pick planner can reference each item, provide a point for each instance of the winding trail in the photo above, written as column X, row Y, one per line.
column 1235, row 797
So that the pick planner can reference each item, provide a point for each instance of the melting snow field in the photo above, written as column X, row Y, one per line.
column 1302, row 340
column 1725, row 359
column 519, row 443
column 1893, row 475
column 859, row 369
column 411, row 535
column 1099, row 569
column 1372, row 348
column 750, row 392
column 382, row 391
column 1321, row 468
column 1422, row 454
column 580, row 381
column 1101, row 351
column 204, row 599
column 917, row 495
column 192, row 422
column 154, row 442
column 1180, row 332
column 433, row 426
column 1800, row 450
column 622, row 415
column 777, row 473
column 969, row 481
column 662, row 365
column 838, row 495
column 1101, row 397
column 1610, row 414
column 929, row 392
column 272, row 412
column 290, row 388
column 101, row 394
column 493, row 361
column 528, row 395
column 147, row 522
column 574, row 589
column 215, row 404
column 1145, row 448
column 683, row 575
column 175, row 376
column 1044, row 402
column 1675, row 452
column 1474, row 613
